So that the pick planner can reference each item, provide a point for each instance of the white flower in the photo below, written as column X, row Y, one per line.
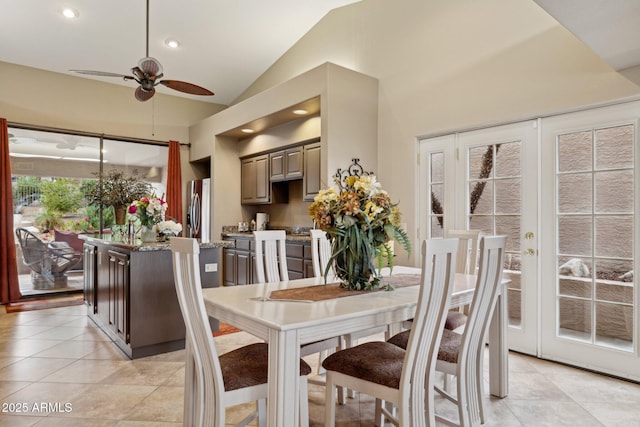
column 169, row 227
column 368, row 185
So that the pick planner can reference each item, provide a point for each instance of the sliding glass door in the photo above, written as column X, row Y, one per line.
column 52, row 172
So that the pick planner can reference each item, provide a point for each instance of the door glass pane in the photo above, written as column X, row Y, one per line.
column 620, row 200
column 574, row 193
column 436, row 188
column 495, row 196
column 575, row 152
column 614, row 147
column 595, row 225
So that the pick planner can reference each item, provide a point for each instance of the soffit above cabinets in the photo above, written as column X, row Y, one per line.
column 311, row 106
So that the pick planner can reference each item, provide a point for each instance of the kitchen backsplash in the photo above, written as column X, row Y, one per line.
column 292, row 214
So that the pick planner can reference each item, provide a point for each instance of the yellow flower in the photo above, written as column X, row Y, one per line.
column 350, row 180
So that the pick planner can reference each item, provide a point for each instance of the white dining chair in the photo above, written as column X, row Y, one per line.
column 271, row 256
column 321, row 254
column 272, row 267
column 466, row 263
column 389, row 373
column 461, row 355
column 218, row 381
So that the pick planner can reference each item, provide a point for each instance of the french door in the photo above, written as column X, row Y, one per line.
column 487, row 180
column 589, row 196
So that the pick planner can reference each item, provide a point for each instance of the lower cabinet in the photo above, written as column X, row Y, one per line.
column 89, row 274
column 119, row 296
column 135, row 301
column 240, row 264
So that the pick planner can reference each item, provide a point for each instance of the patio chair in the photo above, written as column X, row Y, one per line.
column 48, row 262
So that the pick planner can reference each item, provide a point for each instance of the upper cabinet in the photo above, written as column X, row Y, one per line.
column 255, row 180
column 261, row 175
column 286, row 164
column 312, row 173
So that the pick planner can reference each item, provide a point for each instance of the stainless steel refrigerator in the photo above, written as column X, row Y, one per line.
column 199, row 209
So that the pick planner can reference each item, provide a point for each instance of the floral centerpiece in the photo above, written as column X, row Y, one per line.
column 360, row 220
column 168, row 228
column 150, row 211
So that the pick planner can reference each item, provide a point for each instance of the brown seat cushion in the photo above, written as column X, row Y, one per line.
column 248, row 366
column 455, row 319
column 449, row 345
column 376, row 361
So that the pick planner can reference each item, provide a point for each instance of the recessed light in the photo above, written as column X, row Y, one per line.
column 300, row 112
column 248, row 130
column 173, row 44
column 70, row 13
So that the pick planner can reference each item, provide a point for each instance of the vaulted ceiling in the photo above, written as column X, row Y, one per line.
column 224, row 45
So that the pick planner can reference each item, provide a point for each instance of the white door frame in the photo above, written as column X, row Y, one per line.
column 456, row 206
column 590, row 356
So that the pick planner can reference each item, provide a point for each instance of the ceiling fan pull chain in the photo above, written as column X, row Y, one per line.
column 147, row 55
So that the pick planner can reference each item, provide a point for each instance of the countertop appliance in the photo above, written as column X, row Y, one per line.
column 262, row 219
column 199, row 208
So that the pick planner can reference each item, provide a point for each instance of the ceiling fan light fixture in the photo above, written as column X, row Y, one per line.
column 70, row 13
column 172, row 43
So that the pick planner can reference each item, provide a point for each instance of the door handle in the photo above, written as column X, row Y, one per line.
column 530, row 251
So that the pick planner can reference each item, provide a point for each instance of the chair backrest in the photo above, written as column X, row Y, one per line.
column 484, row 300
column 34, row 250
column 436, row 285
column 271, row 256
column 186, row 273
column 321, row 254
column 467, row 249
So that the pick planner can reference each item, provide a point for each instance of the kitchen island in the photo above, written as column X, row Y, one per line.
column 130, row 293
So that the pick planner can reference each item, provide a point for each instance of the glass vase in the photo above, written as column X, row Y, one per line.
column 352, row 255
column 147, row 235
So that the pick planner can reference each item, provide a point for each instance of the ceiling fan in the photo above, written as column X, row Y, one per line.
column 148, row 74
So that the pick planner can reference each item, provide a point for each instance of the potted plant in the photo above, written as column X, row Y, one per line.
column 117, row 189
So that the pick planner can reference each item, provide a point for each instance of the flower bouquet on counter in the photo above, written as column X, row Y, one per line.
column 361, row 222
column 150, row 210
column 167, row 229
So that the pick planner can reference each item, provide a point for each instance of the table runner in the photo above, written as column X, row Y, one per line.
column 334, row 290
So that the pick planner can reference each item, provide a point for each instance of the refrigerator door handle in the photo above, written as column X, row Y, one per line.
column 195, row 214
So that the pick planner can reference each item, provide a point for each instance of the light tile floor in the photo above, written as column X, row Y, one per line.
column 58, row 369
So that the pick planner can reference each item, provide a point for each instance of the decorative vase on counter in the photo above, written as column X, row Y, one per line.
column 147, row 235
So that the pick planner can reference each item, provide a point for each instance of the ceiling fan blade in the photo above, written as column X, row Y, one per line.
column 102, row 73
column 150, row 66
column 186, row 87
column 144, row 95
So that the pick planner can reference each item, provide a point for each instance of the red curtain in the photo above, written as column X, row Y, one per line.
column 9, row 285
column 174, row 183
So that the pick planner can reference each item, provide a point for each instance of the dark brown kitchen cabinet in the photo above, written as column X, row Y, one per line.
column 118, row 286
column 134, row 296
column 311, row 181
column 286, row 164
column 256, row 188
column 240, row 263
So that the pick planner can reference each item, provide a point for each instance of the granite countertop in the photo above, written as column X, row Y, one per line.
column 294, row 234
column 145, row 247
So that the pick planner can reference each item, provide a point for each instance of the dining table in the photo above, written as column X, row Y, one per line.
column 286, row 324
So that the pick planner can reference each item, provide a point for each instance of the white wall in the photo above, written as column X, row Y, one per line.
column 450, row 65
